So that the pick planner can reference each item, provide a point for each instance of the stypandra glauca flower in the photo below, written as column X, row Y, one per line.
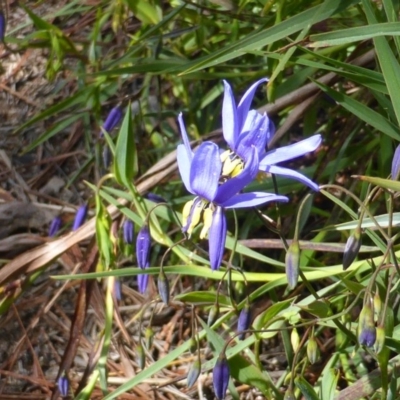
column 221, row 377
column 128, row 229
column 112, row 120
column 63, row 385
column 80, row 217
column 244, row 128
column 396, row 164
column 55, row 226
column 202, row 175
column 244, row 321
column 352, row 248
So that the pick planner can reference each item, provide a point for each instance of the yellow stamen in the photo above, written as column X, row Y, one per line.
column 207, row 221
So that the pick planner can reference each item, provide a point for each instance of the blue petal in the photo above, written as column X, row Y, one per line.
column 230, row 127
column 143, row 282
column 184, row 163
column 216, row 238
column 290, row 173
column 244, row 105
column 257, row 136
column 205, row 171
column 291, row 151
column 185, row 137
column 396, row 163
column 236, row 184
column 252, row 199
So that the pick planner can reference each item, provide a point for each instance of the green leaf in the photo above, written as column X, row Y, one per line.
column 262, row 320
column 204, row 298
column 125, row 164
column 306, row 389
column 355, row 34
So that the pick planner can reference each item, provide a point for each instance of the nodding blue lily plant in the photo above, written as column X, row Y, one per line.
column 244, row 128
column 202, row 175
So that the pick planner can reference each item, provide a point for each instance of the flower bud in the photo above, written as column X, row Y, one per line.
column 193, row 345
column 194, row 373
column 112, row 120
column 143, row 282
column 3, row 25
column 141, row 356
column 163, row 287
column 143, row 242
column 295, row 339
column 155, row 198
column 128, row 229
column 244, row 321
column 292, row 263
column 352, row 248
column 380, row 339
column 396, row 163
column 55, row 226
column 149, row 336
column 213, row 314
column 377, row 305
column 221, row 377
column 289, row 395
column 80, row 217
column 312, row 350
column 117, row 289
column 366, row 325
column 63, row 385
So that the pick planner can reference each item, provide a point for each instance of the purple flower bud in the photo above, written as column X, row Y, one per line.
column 3, row 25
column 143, row 282
column 143, row 242
column 155, row 198
column 80, row 217
column 193, row 373
column 244, row 321
column 292, row 263
column 352, row 248
column 366, row 325
column 55, row 226
column 163, row 287
column 117, row 289
column 112, row 120
column 63, row 385
column 221, row 377
column 396, row 163
column 128, row 231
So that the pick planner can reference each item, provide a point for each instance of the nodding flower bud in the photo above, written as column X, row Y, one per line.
column 149, row 336
column 194, row 373
column 117, row 289
column 213, row 314
column 377, row 305
column 128, row 229
column 352, row 248
column 63, row 385
column 55, row 226
column 80, row 217
column 193, row 347
column 3, row 25
column 143, row 282
column 112, row 120
column 366, row 325
column 221, row 377
column 292, row 264
column 141, row 356
column 396, row 163
column 143, row 242
column 312, row 350
column 380, row 339
column 155, row 198
column 295, row 339
column 244, row 321
column 163, row 287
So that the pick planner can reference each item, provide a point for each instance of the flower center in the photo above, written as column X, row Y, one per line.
column 196, row 211
column 232, row 165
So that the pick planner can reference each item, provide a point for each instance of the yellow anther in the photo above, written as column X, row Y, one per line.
column 207, row 221
column 238, row 169
column 197, row 210
column 186, row 212
column 225, row 155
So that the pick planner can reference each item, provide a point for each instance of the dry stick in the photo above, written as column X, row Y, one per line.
column 34, row 259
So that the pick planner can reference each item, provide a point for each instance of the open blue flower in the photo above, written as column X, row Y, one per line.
column 201, row 173
column 244, row 128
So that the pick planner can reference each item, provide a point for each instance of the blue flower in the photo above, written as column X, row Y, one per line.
column 128, row 231
column 55, row 226
column 202, row 175
column 396, row 163
column 63, row 385
column 112, row 120
column 143, row 282
column 243, row 128
column 143, row 244
column 80, row 217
